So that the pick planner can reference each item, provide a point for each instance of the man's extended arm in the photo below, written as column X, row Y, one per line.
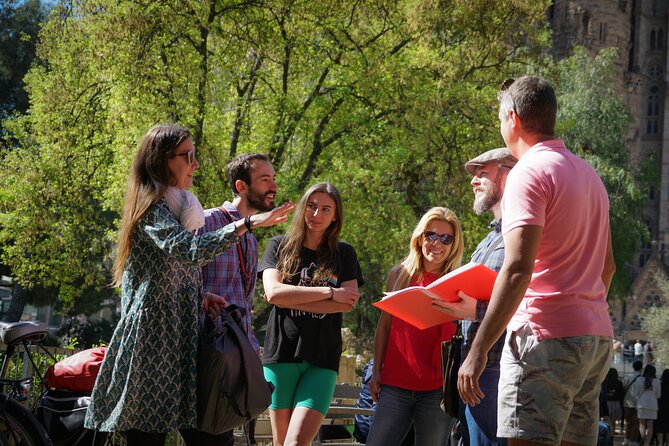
column 521, row 245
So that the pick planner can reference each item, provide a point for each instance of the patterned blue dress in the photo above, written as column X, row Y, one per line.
column 148, row 378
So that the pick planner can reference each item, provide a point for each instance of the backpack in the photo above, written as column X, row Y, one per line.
column 231, row 386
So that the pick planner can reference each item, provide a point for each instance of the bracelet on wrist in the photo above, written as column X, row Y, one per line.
column 247, row 223
column 331, row 293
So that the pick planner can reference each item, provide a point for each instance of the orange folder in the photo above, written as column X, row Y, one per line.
column 414, row 304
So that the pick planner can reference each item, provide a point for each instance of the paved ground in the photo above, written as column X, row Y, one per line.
column 618, row 440
column 624, row 368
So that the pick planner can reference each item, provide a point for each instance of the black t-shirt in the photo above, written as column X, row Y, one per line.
column 296, row 336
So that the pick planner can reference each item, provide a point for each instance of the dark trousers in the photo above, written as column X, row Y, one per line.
column 631, row 424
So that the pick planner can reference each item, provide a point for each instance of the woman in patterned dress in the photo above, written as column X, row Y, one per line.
column 310, row 278
column 147, row 383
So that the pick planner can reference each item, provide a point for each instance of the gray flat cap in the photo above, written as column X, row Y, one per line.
column 501, row 157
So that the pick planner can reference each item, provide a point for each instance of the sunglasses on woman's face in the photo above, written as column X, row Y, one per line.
column 432, row 237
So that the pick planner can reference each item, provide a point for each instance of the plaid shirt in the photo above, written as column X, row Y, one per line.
column 494, row 262
column 223, row 275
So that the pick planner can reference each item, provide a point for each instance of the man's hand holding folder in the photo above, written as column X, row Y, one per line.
column 417, row 305
column 465, row 308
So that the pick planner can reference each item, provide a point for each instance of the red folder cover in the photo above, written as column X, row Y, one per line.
column 414, row 304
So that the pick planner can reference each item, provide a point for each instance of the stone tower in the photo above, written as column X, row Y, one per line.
column 639, row 29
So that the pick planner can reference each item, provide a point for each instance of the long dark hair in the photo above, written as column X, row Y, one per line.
column 289, row 254
column 611, row 377
column 649, row 373
column 148, row 182
column 665, row 383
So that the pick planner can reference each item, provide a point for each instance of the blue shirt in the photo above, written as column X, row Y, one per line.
column 494, row 262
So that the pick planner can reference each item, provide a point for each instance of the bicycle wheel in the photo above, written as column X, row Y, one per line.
column 19, row 427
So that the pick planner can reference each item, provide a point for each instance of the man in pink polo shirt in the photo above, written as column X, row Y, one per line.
column 551, row 290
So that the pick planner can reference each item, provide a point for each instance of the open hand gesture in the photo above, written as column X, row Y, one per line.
column 277, row 215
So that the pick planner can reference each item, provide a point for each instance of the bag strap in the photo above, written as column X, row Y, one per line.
column 458, row 329
column 245, row 275
column 492, row 247
column 630, row 384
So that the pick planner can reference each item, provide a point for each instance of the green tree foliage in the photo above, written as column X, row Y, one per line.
column 655, row 323
column 19, row 25
column 385, row 99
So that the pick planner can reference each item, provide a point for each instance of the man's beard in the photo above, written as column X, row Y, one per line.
column 257, row 201
column 485, row 200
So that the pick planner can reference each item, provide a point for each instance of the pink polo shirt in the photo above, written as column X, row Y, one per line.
column 553, row 188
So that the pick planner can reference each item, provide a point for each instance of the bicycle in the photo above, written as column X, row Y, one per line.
column 20, row 426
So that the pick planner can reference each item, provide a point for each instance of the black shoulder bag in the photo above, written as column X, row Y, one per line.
column 231, row 386
column 451, row 352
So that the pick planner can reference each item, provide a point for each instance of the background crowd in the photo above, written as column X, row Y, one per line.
column 638, row 405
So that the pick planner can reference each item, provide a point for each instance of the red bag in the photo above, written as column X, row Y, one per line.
column 77, row 372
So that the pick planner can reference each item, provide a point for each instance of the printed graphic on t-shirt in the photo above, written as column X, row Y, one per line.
column 306, row 279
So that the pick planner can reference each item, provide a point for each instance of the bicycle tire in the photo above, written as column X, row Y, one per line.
column 19, row 427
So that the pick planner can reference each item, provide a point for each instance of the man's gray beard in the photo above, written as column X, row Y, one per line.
column 483, row 203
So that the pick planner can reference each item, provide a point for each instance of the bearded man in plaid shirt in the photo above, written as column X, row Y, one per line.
column 232, row 275
column 478, row 423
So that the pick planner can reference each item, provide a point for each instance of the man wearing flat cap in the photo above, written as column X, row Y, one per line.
column 550, row 294
column 489, row 170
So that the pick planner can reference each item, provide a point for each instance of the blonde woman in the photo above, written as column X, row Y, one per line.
column 310, row 279
column 147, row 383
column 407, row 382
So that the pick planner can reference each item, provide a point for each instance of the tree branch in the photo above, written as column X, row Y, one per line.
column 244, row 96
column 317, row 147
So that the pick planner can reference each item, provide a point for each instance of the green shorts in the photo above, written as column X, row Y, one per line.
column 300, row 384
column 549, row 388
